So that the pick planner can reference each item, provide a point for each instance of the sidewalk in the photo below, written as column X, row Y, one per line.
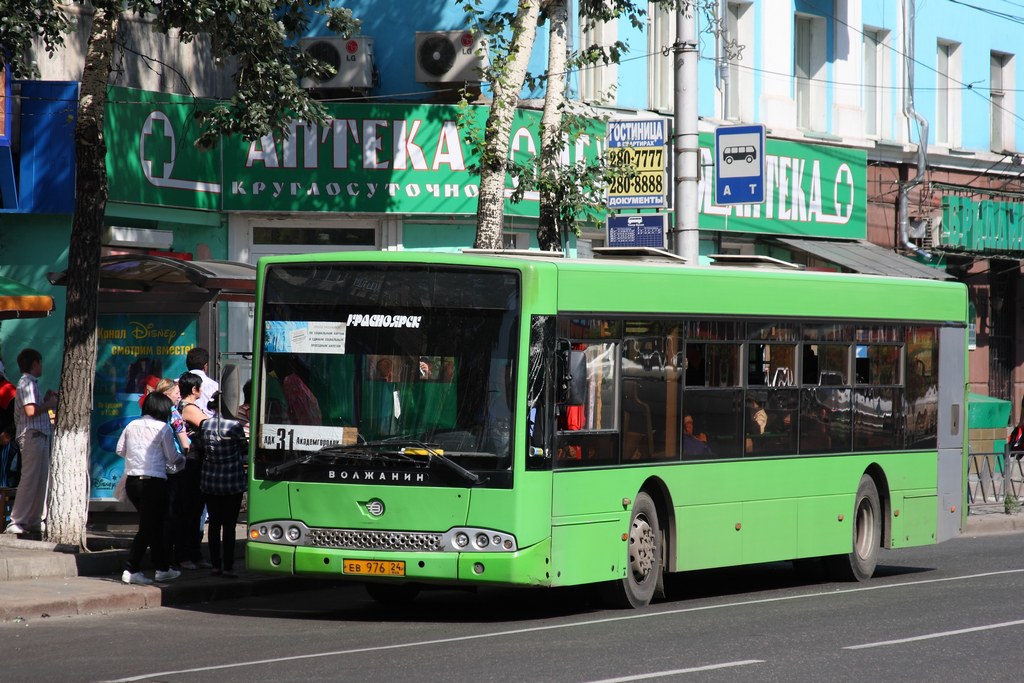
column 38, row 580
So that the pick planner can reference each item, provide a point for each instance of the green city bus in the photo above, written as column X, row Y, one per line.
column 479, row 419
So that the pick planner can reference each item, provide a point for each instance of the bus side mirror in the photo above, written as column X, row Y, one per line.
column 572, row 375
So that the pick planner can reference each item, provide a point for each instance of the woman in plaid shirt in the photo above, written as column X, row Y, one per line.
column 223, row 481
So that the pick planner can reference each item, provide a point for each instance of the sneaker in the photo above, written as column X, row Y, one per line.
column 169, row 575
column 203, row 564
column 13, row 529
column 188, row 564
column 137, row 578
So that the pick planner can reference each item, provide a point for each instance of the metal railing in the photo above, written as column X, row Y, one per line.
column 991, row 477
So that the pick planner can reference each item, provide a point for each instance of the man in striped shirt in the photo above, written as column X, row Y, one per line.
column 33, row 430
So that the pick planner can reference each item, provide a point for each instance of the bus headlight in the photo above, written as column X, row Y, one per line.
column 276, row 533
column 475, row 539
column 294, row 533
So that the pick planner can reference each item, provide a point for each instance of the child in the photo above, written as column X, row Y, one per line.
column 147, row 446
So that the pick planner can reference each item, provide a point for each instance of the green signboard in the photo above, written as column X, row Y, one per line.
column 367, row 158
column 412, row 159
column 810, row 190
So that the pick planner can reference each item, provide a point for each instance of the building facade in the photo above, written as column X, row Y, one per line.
column 847, row 91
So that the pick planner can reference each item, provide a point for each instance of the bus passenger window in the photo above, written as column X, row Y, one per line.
column 599, row 408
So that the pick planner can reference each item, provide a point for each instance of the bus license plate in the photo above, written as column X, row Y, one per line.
column 374, row 567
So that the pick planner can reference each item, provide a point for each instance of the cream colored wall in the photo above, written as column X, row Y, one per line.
column 148, row 60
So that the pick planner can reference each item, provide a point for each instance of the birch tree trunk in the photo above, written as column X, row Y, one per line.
column 69, row 461
column 551, row 127
column 490, row 213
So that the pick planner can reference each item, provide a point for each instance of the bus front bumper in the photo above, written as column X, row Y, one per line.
column 526, row 567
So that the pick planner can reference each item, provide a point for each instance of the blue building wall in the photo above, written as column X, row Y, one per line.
column 978, row 32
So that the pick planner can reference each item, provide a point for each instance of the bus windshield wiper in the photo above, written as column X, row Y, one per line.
column 333, row 453
column 435, row 454
column 413, row 449
column 393, row 450
column 303, row 459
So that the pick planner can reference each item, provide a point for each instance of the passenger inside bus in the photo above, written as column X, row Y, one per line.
column 303, row 407
column 694, row 443
column 757, row 421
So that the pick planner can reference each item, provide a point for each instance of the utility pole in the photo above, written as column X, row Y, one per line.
column 687, row 151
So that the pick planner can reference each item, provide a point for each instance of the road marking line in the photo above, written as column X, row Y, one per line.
column 551, row 627
column 940, row 634
column 660, row 674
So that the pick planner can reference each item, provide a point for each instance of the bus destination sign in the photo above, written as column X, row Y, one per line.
column 639, row 145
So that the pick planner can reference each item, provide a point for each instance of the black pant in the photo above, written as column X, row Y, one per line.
column 149, row 496
column 173, row 528
column 223, row 511
column 190, row 512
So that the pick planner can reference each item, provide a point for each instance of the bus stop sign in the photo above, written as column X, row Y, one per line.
column 739, row 165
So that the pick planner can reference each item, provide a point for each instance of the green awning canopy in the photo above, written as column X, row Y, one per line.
column 21, row 301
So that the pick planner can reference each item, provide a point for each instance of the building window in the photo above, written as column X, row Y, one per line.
column 947, row 94
column 1001, row 101
column 877, row 100
column 739, row 20
column 661, row 36
column 597, row 80
column 809, row 71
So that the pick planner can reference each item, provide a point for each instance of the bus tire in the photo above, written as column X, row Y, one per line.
column 393, row 594
column 860, row 564
column 643, row 559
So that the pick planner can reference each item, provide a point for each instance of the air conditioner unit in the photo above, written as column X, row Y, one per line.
column 352, row 57
column 450, row 56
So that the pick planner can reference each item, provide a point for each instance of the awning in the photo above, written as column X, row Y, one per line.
column 20, row 301
column 865, row 257
column 220, row 280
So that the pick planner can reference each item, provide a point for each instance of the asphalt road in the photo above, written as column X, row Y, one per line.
column 944, row 613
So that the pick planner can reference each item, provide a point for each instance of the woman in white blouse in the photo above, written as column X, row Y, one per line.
column 147, row 446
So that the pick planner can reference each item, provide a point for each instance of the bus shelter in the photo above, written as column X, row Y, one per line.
column 21, row 301
column 151, row 311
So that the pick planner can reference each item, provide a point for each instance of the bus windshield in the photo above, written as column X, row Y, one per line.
column 386, row 368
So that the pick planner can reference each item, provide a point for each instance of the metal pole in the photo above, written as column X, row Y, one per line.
column 687, row 151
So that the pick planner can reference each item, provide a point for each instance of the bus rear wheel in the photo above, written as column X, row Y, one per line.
column 393, row 594
column 643, row 559
column 860, row 564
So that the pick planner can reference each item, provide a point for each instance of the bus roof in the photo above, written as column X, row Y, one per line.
column 626, row 285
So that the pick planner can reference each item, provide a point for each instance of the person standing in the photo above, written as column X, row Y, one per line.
column 189, row 540
column 175, row 475
column 223, row 482
column 198, row 363
column 10, row 460
column 33, row 431
column 147, row 446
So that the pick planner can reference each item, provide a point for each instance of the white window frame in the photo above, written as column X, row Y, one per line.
column 1002, row 100
column 598, row 82
column 739, row 18
column 877, row 82
column 661, row 36
column 809, row 71
column 948, row 96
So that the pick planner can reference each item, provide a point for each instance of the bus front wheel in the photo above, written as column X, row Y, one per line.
column 860, row 564
column 643, row 558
